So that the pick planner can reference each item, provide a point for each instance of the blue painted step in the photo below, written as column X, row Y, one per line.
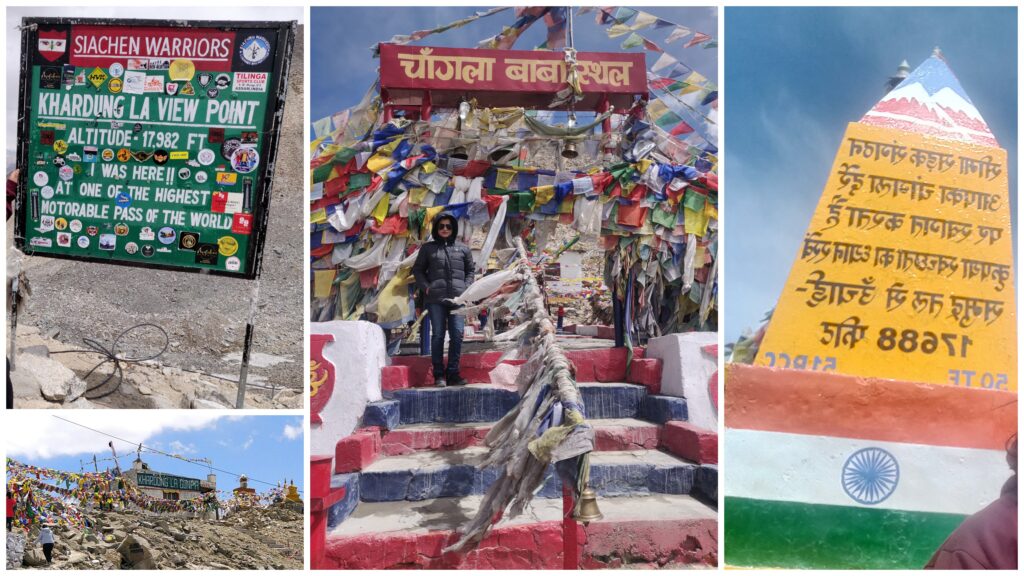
column 485, row 403
column 343, row 508
column 426, row 475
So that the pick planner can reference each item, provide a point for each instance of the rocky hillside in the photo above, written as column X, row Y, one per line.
column 254, row 539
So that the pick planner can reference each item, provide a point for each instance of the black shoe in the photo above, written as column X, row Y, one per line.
column 457, row 380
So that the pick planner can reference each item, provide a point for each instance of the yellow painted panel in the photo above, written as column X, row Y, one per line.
column 906, row 269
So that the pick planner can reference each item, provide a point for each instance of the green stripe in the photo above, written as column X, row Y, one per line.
column 768, row 533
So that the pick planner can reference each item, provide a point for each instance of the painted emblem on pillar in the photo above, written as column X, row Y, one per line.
column 321, row 375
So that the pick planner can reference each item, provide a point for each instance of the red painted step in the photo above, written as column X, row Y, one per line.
column 690, row 442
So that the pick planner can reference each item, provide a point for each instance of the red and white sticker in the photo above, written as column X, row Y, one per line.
column 250, row 81
column 242, row 224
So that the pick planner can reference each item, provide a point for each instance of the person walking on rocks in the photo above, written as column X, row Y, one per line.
column 46, row 539
column 443, row 271
column 561, row 316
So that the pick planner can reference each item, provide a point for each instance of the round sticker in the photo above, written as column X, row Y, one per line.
column 60, row 146
column 123, row 200
column 92, row 230
column 184, row 173
column 60, row 223
column 124, row 155
column 83, row 241
column 107, row 155
column 167, row 235
column 147, row 251
column 254, row 50
column 201, row 177
column 75, row 226
column 181, row 70
column 245, row 160
column 116, row 69
column 229, row 146
column 228, row 246
column 160, row 157
column 131, row 247
column 233, row 264
column 46, row 192
column 66, row 173
column 41, row 178
column 206, row 156
column 115, row 85
column 121, row 229
column 222, row 81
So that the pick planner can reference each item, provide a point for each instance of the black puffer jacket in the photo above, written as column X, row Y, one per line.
column 443, row 268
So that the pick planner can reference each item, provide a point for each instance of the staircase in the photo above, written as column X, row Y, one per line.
column 407, row 482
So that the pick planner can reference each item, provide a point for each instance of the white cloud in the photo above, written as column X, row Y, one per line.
column 179, row 448
column 292, row 432
column 248, row 441
column 35, row 435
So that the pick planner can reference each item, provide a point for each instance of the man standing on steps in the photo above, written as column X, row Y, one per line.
column 443, row 271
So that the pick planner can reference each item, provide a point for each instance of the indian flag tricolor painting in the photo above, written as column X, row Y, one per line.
column 832, row 471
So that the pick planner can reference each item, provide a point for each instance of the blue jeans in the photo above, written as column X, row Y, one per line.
column 442, row 320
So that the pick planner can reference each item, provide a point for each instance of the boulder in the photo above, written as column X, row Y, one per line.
column 34, row 557
column 15, row 549
column 138, row 553
column 41, row 375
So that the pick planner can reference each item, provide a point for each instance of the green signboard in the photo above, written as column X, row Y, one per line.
column 150, row 143
column 167, row 481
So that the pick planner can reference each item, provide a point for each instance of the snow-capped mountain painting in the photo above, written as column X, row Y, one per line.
column 931, row 101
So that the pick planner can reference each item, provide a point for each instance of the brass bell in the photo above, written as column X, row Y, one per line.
column 459, row 153
column 569, row 150
column 587, row 510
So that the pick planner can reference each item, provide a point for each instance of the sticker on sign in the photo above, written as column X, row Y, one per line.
column 250, row 82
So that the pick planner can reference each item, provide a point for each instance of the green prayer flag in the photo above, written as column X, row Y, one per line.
column 663, row 217
column 359, row 180
column 693, row 200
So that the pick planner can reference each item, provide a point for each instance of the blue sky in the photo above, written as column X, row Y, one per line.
column 342, row 68
column 794, row 77
column 268, row 448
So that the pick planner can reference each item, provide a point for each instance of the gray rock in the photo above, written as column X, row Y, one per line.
column 35, row 557
column 42, row 375
column 138, row 552
column 38, row 350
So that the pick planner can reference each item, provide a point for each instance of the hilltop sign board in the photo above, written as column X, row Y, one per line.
column 150, row 143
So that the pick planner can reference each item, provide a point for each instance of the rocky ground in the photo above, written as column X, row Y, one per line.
column 45, row 377
column 204, row 316
column 255, row 539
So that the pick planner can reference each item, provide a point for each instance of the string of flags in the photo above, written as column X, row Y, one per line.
column 50, row 496
column 421, row 34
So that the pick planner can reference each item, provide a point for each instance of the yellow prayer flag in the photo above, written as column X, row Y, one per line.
column 380, row 212
column 379, row 162
column 695, row 221
column 504, row 179
column 417, row 196
column 428, row 219
column 322, row 282
column 542, row 195
column 318, row 216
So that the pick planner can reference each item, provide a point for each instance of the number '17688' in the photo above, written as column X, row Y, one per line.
column 910, row 340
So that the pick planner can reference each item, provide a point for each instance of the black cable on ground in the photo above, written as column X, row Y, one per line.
column 111, row 355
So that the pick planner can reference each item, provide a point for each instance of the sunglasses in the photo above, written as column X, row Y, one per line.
column 444, row 226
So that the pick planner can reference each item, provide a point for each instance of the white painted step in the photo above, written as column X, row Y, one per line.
column 452, row 513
